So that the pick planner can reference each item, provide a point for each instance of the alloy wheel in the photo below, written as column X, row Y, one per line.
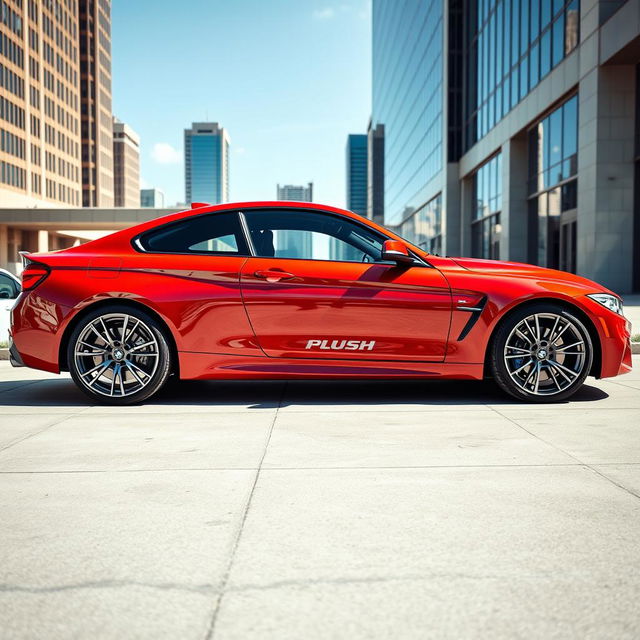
column 116, row 355
column 545, row 353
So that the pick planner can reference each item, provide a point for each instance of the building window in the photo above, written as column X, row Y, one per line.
column 424, row 227
column 553, row 188
column 512, row 44
column 487, row 205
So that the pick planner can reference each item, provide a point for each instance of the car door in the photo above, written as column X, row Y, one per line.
column 191, row 269
column 317, row 288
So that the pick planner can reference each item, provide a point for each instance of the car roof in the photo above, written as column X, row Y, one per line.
column 8, row 273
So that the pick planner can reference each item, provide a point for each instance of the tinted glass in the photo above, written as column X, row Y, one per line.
column 312, row 236
column 218, row 233
column 8, row 287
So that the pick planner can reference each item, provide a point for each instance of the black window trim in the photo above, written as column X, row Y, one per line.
column 419, row 261
column 137, row 245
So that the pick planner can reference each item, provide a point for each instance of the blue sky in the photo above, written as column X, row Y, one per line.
column 289, row 79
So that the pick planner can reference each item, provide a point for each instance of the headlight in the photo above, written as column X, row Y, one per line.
column 613, row 303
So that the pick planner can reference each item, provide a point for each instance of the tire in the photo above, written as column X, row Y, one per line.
column 541, row 353
column 118, row 355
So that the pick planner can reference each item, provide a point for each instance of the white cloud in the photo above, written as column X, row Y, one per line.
column 324, row 14
column 240, row 150
column 164, row 153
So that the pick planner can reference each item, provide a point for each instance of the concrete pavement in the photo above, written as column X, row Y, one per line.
column 319, row 510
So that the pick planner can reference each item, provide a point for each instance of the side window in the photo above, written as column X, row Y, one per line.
column 310, row 235
column 8, row 287
column 218, row 233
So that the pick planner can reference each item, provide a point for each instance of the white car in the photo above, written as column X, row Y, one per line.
column 9, row 291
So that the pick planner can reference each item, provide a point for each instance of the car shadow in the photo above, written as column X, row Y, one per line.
column 268, row 394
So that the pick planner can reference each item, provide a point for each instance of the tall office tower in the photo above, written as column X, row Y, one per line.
column 375, row 173
column 96, row 113
column 294, row 244
column 357, row 173
column 39, row 104
column 206, row 155
column 151, row 198
column 513, row 131
column 126, row 165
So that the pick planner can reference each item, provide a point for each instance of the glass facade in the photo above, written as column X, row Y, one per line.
column 487, row 206
column 512, row 45
column 206, row 164
column 553, row 188
column 357, row 173
column 424, row 227
column 408, row 99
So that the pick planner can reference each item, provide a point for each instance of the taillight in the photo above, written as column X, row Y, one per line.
column 33, row 275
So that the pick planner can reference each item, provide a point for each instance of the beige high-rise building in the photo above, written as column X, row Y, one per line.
column 95, row 92
column 39, row 104
column 126, row 165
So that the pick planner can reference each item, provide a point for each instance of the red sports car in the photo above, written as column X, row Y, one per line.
column 297, row 290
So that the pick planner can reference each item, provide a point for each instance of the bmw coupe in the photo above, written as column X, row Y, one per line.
column 298, row 290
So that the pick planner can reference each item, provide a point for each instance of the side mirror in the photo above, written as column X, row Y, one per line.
column 396, row 251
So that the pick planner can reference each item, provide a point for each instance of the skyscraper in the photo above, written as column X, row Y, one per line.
column 206, row 155
column 291, row 244
column 39, row 104
column 375, row 172
column 357, row 173
column 126, row 165
column 299, row 193
column 95, row 98
column 510, row 131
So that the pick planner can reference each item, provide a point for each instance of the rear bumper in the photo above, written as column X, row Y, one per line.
column 14, row 357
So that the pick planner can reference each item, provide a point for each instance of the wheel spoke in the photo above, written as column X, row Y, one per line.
column 125, row 339
column 135, row 375
column 565, row 370
column 527, row 351
column 553, row 377
column 555, row 339
column 98, row 375
column 563, row 348
column 124, row 328
column 135, row 366
column 141, row 346
column 519, row 369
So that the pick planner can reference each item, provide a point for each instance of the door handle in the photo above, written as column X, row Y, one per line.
column 273, row 275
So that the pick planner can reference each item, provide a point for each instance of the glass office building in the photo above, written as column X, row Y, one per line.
column 206, row 155
column 509, row 130
column 357, row 173
column 407, row 87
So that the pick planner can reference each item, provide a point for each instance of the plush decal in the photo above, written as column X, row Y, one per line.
column 341, row 345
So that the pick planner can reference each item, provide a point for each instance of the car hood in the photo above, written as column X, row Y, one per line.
column 522, row 270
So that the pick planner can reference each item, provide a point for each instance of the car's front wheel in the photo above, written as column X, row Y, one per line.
column 541, row 353
column 119, row 355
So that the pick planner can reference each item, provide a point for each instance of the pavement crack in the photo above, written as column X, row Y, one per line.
column 586, row 465
column 110, row 584
column 16, row 441
column 236, row 543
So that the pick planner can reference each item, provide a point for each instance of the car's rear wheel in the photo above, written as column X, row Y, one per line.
column 119, row 355
column 541, row 353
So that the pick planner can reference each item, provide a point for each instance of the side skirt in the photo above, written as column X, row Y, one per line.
column 204, row 366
